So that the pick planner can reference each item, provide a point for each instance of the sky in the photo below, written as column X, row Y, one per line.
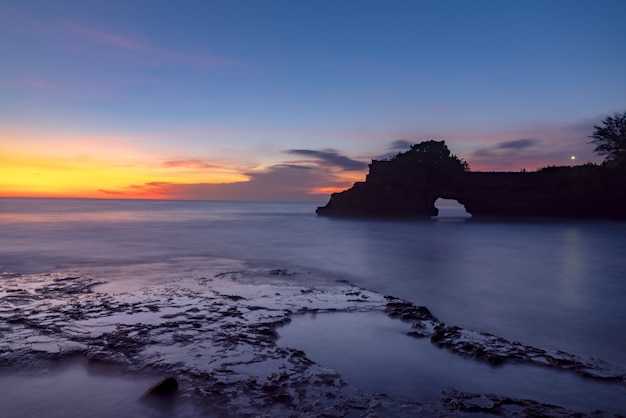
column 291, row 100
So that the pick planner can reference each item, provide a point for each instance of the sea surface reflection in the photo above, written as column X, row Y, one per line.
column 547, row 283
column 373, row 352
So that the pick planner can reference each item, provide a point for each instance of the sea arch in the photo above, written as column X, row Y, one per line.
column 449, row 205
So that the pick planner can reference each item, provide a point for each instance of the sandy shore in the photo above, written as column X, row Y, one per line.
column 213, row 324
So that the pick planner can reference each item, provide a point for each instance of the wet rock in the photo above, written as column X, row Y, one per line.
column 282, row 398
column 496, row 405
column 220, row 342
column 479, row 403
column 265, row 330
column 407, row 311
column 493, row 349
column 166, row 386
column 269, row 386
column 280, row 272
column 416, row 334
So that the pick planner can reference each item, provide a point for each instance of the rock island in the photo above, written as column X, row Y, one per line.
column 408, row 185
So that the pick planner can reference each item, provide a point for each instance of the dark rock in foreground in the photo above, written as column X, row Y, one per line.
column 164, row 387
column 408, row 185
column 215, row 331
column 504, row 406
column 497, row 350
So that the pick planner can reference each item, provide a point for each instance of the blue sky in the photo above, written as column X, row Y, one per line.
column 290, row 100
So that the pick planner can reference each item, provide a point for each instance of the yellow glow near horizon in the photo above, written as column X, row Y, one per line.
column 38, row 163
column 59, row 163
column 40, row 177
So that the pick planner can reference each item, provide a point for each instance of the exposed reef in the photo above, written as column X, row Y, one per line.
column 214, row 333
column 497, row 350
column 408, row 185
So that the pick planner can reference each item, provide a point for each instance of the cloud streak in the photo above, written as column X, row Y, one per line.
column 544, row 146
column 506, row 149
column 400, row 145
column 329, row 158
column 105, row 38
column 282, row 182
column 155, row 55
column 193, row 164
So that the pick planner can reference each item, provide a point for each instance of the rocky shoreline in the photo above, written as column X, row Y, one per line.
column 497, row 350
column 214, row 332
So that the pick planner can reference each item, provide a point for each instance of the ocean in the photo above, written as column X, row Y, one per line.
column 554, row 284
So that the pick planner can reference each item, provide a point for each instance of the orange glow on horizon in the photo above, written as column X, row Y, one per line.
column 342, row 182
column 329, row 190
column 90, row 178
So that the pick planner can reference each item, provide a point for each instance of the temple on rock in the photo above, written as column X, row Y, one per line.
column 408, row 185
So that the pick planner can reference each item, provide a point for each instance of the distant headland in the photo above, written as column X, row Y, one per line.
column 407, row 186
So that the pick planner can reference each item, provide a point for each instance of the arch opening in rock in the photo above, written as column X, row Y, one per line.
column 450, row 209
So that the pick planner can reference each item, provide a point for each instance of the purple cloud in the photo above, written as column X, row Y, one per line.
column 401, row 145
column 330, row 158
column 506, row 148
column 284, row 182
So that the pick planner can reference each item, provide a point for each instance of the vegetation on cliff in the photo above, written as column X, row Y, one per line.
column 425, row 165
column 431, row 155
column 610, row 139
column 408, row 184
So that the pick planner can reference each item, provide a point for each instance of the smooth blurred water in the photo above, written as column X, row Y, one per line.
column 552, row 284
column 373, row 351
column 76, row 389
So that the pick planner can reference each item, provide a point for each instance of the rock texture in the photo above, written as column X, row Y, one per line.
column 215, row 330
column 409, row 184
column 497, row 350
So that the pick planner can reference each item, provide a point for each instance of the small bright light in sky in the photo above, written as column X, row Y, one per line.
column 573, row 157
column 284, row 100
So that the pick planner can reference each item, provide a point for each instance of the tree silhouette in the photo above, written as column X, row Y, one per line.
column 610, row 139
column 429, row 154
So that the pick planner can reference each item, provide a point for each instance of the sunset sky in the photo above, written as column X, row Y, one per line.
column 290, row 100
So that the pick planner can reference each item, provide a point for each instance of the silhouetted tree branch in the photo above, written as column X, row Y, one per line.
column 610, row 139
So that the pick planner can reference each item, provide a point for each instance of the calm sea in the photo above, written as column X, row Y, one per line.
column 552, row 284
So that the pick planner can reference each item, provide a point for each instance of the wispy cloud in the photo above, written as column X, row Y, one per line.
column 530, row 147
column 282, row 182
column 142, row 51
column 151, row 190
column 329, row 158
column 400, row 145
column 31, row 84
column 41, row 85
column 193, row 164
column 396, row 146
column 152, row 54
column 105, row 38
column 506, row 149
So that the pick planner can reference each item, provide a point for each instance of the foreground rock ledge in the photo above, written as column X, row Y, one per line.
column 497, row 350
column 217, row 334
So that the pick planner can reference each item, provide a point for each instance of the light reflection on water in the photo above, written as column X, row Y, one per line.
column 552, row 284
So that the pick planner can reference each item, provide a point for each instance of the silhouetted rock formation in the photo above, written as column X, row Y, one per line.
column 409, row 184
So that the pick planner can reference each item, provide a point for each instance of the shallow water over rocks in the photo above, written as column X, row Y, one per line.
column 377, row 353
column 213, row 324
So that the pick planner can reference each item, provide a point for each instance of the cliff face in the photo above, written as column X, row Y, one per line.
column 408, row 186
